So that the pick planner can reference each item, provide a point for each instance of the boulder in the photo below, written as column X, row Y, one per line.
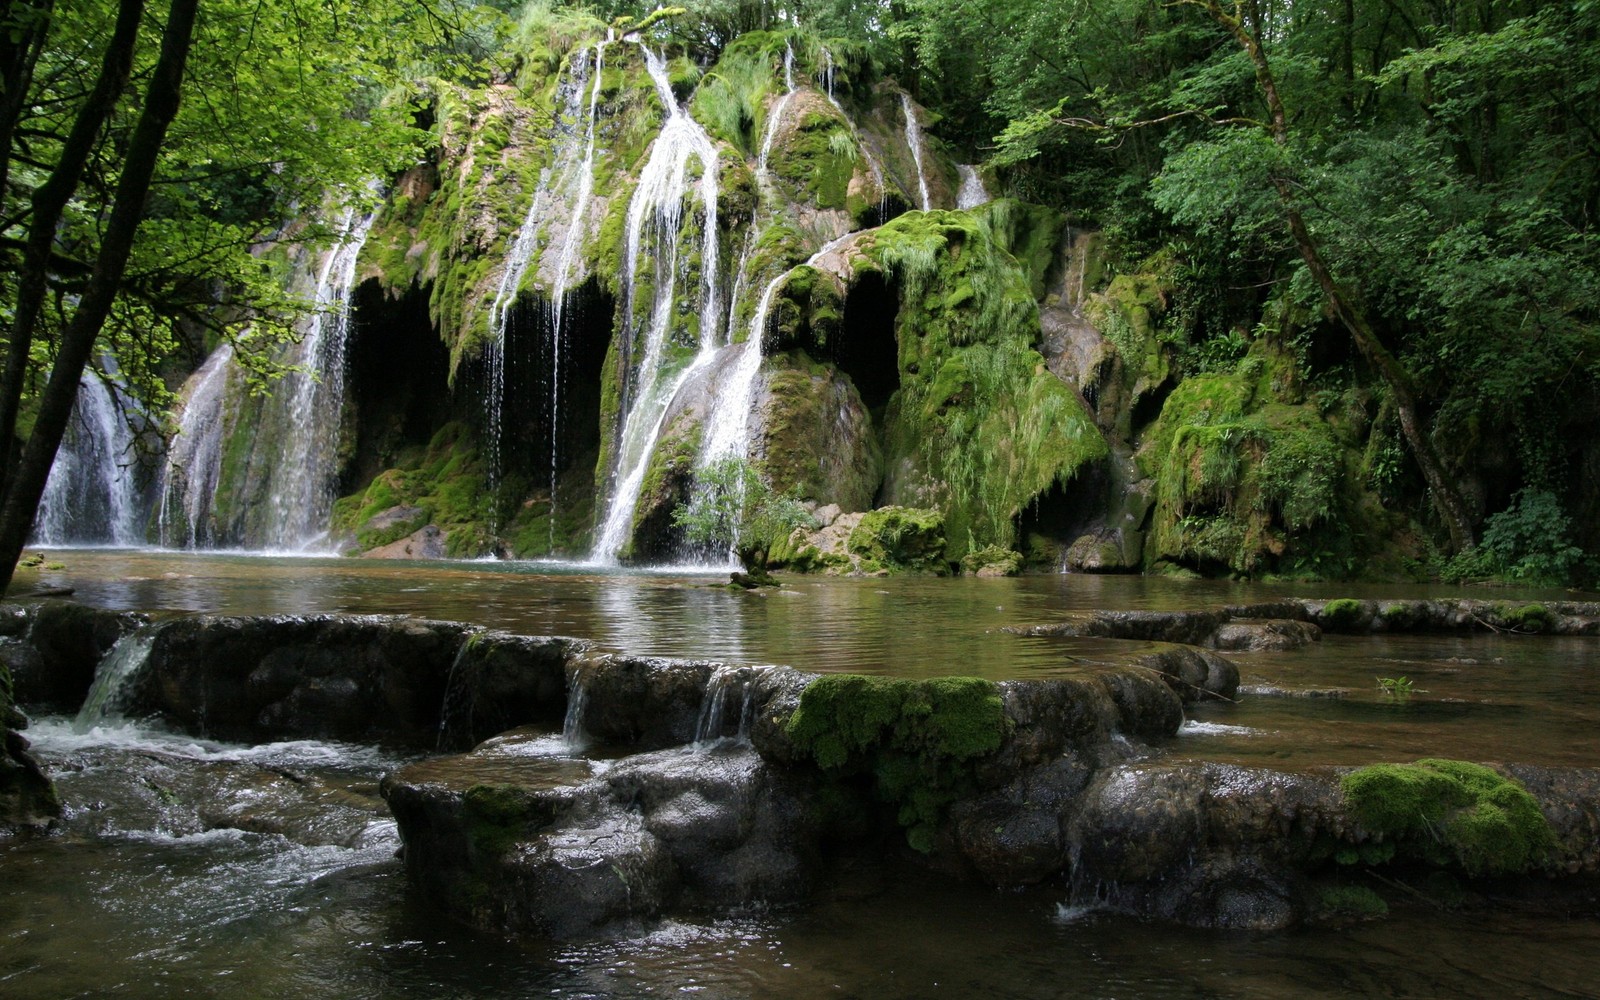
column 325, row 676
column 562, row 848
column 1255, row 635
column 427, row 542
column 53, row 660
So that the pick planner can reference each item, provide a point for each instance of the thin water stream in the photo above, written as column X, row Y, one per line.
column 190, row 867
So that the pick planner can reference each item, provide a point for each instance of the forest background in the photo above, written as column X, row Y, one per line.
column 1384, row 209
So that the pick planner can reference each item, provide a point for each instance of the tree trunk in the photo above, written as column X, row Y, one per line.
column 49, row 201
column 26, row 486
column 1447, row 502
column 26, row 26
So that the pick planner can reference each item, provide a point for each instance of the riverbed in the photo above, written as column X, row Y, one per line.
column 189, row 867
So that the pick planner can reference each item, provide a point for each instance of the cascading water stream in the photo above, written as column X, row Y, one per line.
column 655, row 225
column 108, row 694
column 571, row 242
column 564, row 170
column 725, row 684
column 972, row 193
column 92, row 494
column 194, row 456
column 301, row 491
column 728, row 424
column 914, row 140
column 777, row 112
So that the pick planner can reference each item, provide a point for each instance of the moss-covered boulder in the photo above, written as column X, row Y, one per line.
column 1448, row 812
column 978, row 427
column 444, row 485
column 815, row 434
column 1249, row 480
column 916, row 741
column 899, row 538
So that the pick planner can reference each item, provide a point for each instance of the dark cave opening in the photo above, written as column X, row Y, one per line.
column 866, row 349
column 550, row 400
column 397, row 374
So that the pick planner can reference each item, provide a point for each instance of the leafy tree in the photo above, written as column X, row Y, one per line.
column 147, row 161
column 734, row 507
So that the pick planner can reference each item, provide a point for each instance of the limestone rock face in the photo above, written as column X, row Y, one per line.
column 426, row 542
column 330, row 676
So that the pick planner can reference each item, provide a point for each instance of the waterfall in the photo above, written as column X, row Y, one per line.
column 563, row 171
column 194, row 456
column 302, row 483
column 654, row 224
column 914, row 140
column 572, row 733
column 108, row 694
column 728, row 424
column 725, row 684
column 92, row 494
column 777, row 113
column 571, row 243
column 972, row 193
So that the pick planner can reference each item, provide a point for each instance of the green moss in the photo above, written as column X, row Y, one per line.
column 917, row 740
column 816, row 434
column 1249, row 483
column 1030, row 233
column 818, row 155
column 446, row 481
column 670, row 474
column 1343, row 615
column 1347, row 904
column 992, row 560
column 731, row 101
column 1527, row 618
column 979, row 427
column 1450, row 812
column 900, row 538
column 496, row 817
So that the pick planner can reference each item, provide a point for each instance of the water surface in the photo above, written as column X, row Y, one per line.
column 203, row 869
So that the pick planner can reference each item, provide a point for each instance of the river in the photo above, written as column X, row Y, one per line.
column 189, row 867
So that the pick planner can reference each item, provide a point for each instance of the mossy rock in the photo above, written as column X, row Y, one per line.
column 900, row 538
column 916, row 740
column 816, row 434
column 1346, row 904
column 1451, row 813
column 978, row 427
column 1344, row 615
column 993, row 560
column 1250, row 484
column 444, row 484
column 1527, row 618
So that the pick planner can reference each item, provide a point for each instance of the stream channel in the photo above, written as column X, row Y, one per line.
column 195, row 868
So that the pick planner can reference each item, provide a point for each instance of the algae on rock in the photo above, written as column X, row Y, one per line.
column 916, row 742
column 978, row 427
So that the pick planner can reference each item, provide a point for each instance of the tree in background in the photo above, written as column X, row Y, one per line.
column 144, row 162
